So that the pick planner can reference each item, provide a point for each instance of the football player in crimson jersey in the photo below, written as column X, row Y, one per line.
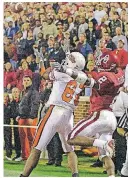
column 59, row 117
column 105, row 85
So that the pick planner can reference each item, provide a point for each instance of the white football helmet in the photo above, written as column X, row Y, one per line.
column 75, row 60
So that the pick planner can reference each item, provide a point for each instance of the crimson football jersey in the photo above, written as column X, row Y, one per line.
column 108, row 86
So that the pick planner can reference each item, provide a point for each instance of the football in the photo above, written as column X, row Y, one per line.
column 16, row 7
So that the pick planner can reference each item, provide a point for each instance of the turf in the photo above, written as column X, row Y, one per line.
column 13, row 169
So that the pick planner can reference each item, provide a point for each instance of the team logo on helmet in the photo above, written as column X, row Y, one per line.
column 107, row 61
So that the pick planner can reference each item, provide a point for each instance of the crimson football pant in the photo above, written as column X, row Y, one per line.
column 26, row 136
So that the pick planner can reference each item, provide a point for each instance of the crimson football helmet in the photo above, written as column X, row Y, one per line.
column 107, row 61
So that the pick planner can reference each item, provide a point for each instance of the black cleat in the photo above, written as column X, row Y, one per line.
column 50, row 163
column 104, row 172
column 75, row 175
column 98, row 163
column 57, row 164
column 123, row 175
column 21, row 175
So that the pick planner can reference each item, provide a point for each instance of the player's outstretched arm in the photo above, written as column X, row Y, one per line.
column 80, row 77
column 46, row 74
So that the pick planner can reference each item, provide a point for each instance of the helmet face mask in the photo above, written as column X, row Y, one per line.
column 70, row 61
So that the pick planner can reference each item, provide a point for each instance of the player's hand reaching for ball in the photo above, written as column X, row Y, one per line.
column 59, row 67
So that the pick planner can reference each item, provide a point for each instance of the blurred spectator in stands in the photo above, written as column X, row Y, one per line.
column 126, row 30
column 73, row 33
column 14, row 64
column 5, row 28
column 30, row 43
column 50, row 42
column 10, row 48
column 32, row 65
column 14, row 113
column 50, row 28
column 6, row 57
column 124, row 6
column 101, row 46
column 90, row 18
column 122, row 54
column 73, row 47
column 73, row 9
column 56, row 7
column 124, row 19
column 65, row 17
column 106, row 20
column 8, row 16
column 21, row 45
column 28, row 110
column 109, row 43
column 37, row 29
column 57, row 54
column 99, row 13
column 9, row 78
column 44, row 58
column 25, row 28
column 83, row 46
column 36, row 80
column 42, row 18
column 119, row 36
column 41, row 41
column 83, row 26
column 66, row 41
column 103, row 30
column 91, row 35
column 65, row 27
column 60, row 35
column 118, row 8
column 91, row 63
column 7, row 130
column 11, row 31
column 71, row 24
column 76, row 24
column 114, row 23
column 22, row 71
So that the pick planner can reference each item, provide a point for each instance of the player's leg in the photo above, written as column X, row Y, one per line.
column 124, row 170
column 73, row 163
column 44, row 134
column 64, row 129
column 72, row 157
column 81, row 141
column 84, row 131
column 109, row 166
column 31, row 162
column 104, row 156
column 80, row 135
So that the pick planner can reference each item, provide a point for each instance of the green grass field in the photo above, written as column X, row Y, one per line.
column 13, row 169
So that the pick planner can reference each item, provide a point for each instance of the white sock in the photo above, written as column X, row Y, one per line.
column 112, row 176
column 99, row 143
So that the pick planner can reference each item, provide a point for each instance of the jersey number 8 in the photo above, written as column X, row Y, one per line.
column 102, row 79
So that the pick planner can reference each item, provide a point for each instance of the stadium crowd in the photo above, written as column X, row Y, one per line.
column 42, row 34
